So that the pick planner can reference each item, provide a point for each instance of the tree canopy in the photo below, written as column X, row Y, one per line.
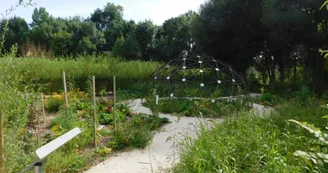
column 277, row 37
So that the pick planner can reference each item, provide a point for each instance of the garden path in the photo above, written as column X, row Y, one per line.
column 162, row 153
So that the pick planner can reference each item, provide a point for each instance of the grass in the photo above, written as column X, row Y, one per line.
column 255, row 144
column 130, row 130
column 19, row 105
column 186, row 107
column 49, row 72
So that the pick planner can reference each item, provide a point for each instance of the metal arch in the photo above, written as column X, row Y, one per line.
column 234, row 80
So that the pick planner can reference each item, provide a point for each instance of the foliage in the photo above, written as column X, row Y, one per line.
column 203, row 107
column 302, row 95
column 60, row 44
column 267, row 97
column 145, row 32
column 135, row 133
column 19, row 140
column 128, row 73
column 275, row 37
column 230, row 146
column 319, row 157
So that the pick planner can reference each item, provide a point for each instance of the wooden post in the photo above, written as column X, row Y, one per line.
column 114, row 92
column 156, row 99
column 1, row 143
column 114, row 89
column 43, row 109
column 94, row 109
column 65, row 89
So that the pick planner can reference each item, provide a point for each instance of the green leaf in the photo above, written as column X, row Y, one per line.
column 326, row 56
column 324, row 4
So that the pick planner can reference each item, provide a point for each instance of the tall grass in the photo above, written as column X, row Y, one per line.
column 254, row 144
column 16, row 106
column 81, row 67
column 48, row 71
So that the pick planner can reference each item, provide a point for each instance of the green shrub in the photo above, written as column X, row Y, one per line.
column 267, row 97
column 125, row 136
column 135, row 133
column 302, row 95
column 53, row 105
column 245, row 144
column 256, row 144
column 106, row 118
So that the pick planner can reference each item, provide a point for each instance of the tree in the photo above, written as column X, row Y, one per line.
column 43, row 27
column 229, row 30
column 17, row 30
column 86, row 46
column 85, row 33
column 110, row 21
column 127, row 48
column 39, row 16
column 175, row 35
column 145, row 33
column 285, row 25
column 61, row 44
column 104, row 17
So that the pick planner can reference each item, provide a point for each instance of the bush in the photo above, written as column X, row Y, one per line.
column 53, row 105
column 135, row 133
column 246, row 144
column 255, row 144
column 267, row 97
column 125, row 135
column 302, row 95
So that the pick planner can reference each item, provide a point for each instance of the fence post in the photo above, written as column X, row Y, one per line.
column 94, row 109
column 114, row 92
column 114, row 89
column 43, row 109
column 65, row 90
column 39, row 167
column 1, row 143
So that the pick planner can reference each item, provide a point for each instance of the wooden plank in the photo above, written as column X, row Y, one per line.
column 47, row 149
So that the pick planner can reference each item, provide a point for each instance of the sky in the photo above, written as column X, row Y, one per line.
column 138, row 10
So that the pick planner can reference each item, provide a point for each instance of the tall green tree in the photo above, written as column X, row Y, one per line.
column 17, row 29
column 145, row 34
column 104, row 17
column 230, row 30
column 175, row 36
column 110, row 21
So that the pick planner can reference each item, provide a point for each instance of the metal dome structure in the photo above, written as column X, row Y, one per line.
column 199, row 77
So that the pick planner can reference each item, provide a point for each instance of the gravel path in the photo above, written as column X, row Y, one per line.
column 160, row 154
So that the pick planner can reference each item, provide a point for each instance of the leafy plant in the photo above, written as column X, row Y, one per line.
column 53, row 105
column 267, row 97
column 302, row 95
column 318, row 156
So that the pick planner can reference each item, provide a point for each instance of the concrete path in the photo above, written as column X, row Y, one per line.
column 162, row 153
